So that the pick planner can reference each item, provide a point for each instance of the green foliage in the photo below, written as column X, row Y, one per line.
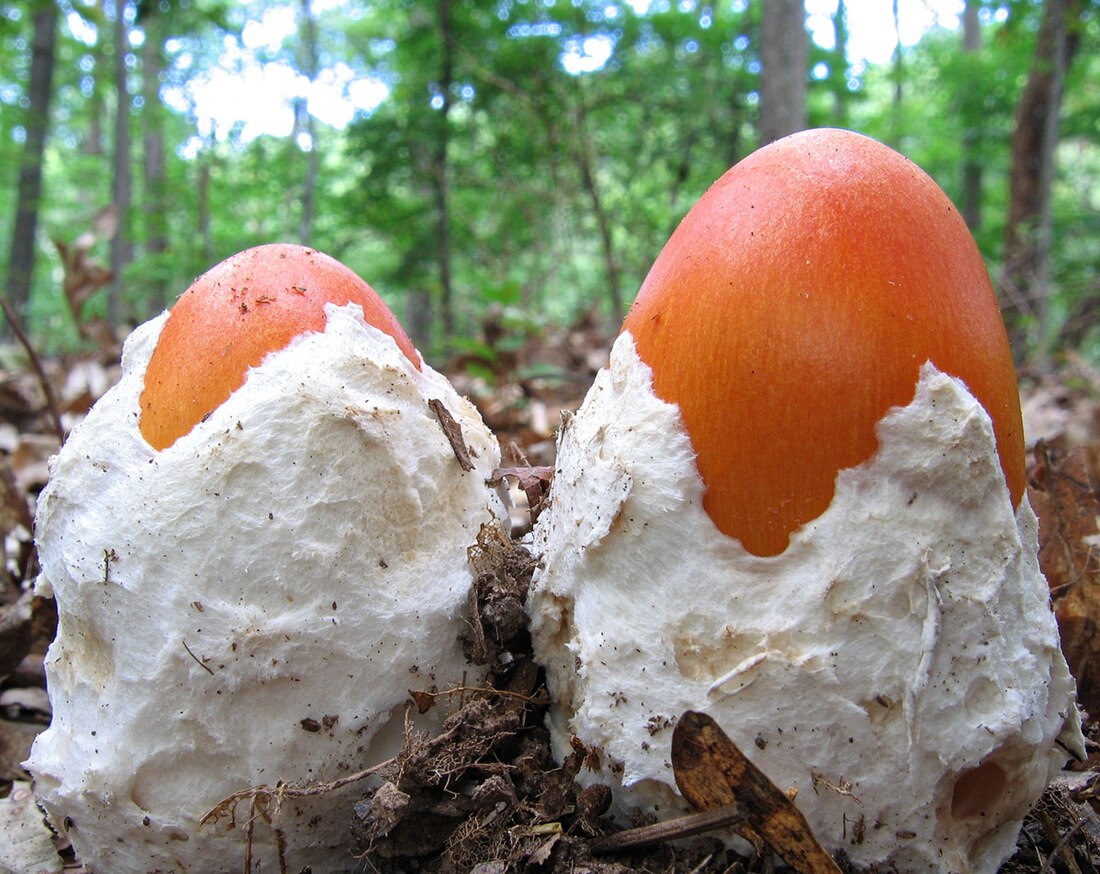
column 540, row 157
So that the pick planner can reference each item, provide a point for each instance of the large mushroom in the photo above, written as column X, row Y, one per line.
column 794, row 501
column 257, row 543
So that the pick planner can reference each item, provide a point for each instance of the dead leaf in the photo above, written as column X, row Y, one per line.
column 14, row 510
column 16, row 632
column 424, row 701
column 542, row 855
column 30, row 460
column 26, row 843
column 1062, row 495
column 534, row 481
column 83, row 277
column 712, row 772
column 28, row 700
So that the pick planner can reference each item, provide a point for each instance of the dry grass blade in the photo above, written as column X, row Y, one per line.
column 727, row 816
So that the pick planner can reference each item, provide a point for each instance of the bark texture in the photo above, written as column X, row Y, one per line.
column 21, row 255
column 122, row 251
column 1025, row 275
column 784, row 47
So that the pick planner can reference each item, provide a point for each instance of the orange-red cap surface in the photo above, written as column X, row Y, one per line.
column 795, row 305
column 253, row 303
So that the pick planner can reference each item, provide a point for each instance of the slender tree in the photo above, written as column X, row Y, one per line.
column 93, row 140
column 203, row 173
column 971, row 112
column 122, row 183
column 305, row 124
column 1026, row 276
column 153, row 161
column 898, row 74
column 784, row 46
column 441, row 170
column 21, row 255
column 585, row 158
column 841, row 93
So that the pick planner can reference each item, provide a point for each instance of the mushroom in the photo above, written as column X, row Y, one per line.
column 257, row 543
column 253, row 303
column 794, row 501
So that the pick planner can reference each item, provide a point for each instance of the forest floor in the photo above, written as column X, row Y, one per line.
column 524, row 813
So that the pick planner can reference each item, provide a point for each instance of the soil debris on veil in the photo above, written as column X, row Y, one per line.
column 486, row 795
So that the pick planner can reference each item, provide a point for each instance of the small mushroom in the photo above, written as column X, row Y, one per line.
column 794, row 501
column 251, row 539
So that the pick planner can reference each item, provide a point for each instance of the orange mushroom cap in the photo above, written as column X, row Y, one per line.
column 253, row 303
column 795, row 305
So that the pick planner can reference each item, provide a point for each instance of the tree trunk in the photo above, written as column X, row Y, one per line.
column 97, row 110
column 898, row 74
column 306, row 123
column 841, row 93
column 441, row 173
column 784, row 47
column 1025, row 275
column 122, row 185
column 586, row 164
column 418, row 317
column 155, row 210
column 203, row 217
column 40, row 89
column 971, row 111
column 603, row 222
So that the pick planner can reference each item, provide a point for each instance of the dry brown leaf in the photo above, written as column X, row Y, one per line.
column 14, row 509
column 30, row 460
column 712, row 772
column 83, row 277
column 534, row 481
column 424, row 701
column 1063, row 497
column 16, row 633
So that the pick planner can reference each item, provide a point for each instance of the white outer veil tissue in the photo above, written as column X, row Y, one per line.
column 299, row 555
column 903, row 639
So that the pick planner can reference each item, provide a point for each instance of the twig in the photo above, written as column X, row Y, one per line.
column 487, row 691
column 702, row 864
column 1060, row 847
column 198, row 661
column 286, row 790
column 681, row 827
column 36, row 363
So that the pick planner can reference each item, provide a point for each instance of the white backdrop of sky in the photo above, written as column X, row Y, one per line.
column 251, row 91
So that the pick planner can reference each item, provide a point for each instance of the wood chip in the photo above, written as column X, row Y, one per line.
column 712, row 773
column 453, row 432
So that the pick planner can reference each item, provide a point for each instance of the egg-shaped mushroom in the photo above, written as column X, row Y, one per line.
column 247, row 594
column 794, row 501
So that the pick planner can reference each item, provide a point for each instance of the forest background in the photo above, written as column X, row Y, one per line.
column 492, row 168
